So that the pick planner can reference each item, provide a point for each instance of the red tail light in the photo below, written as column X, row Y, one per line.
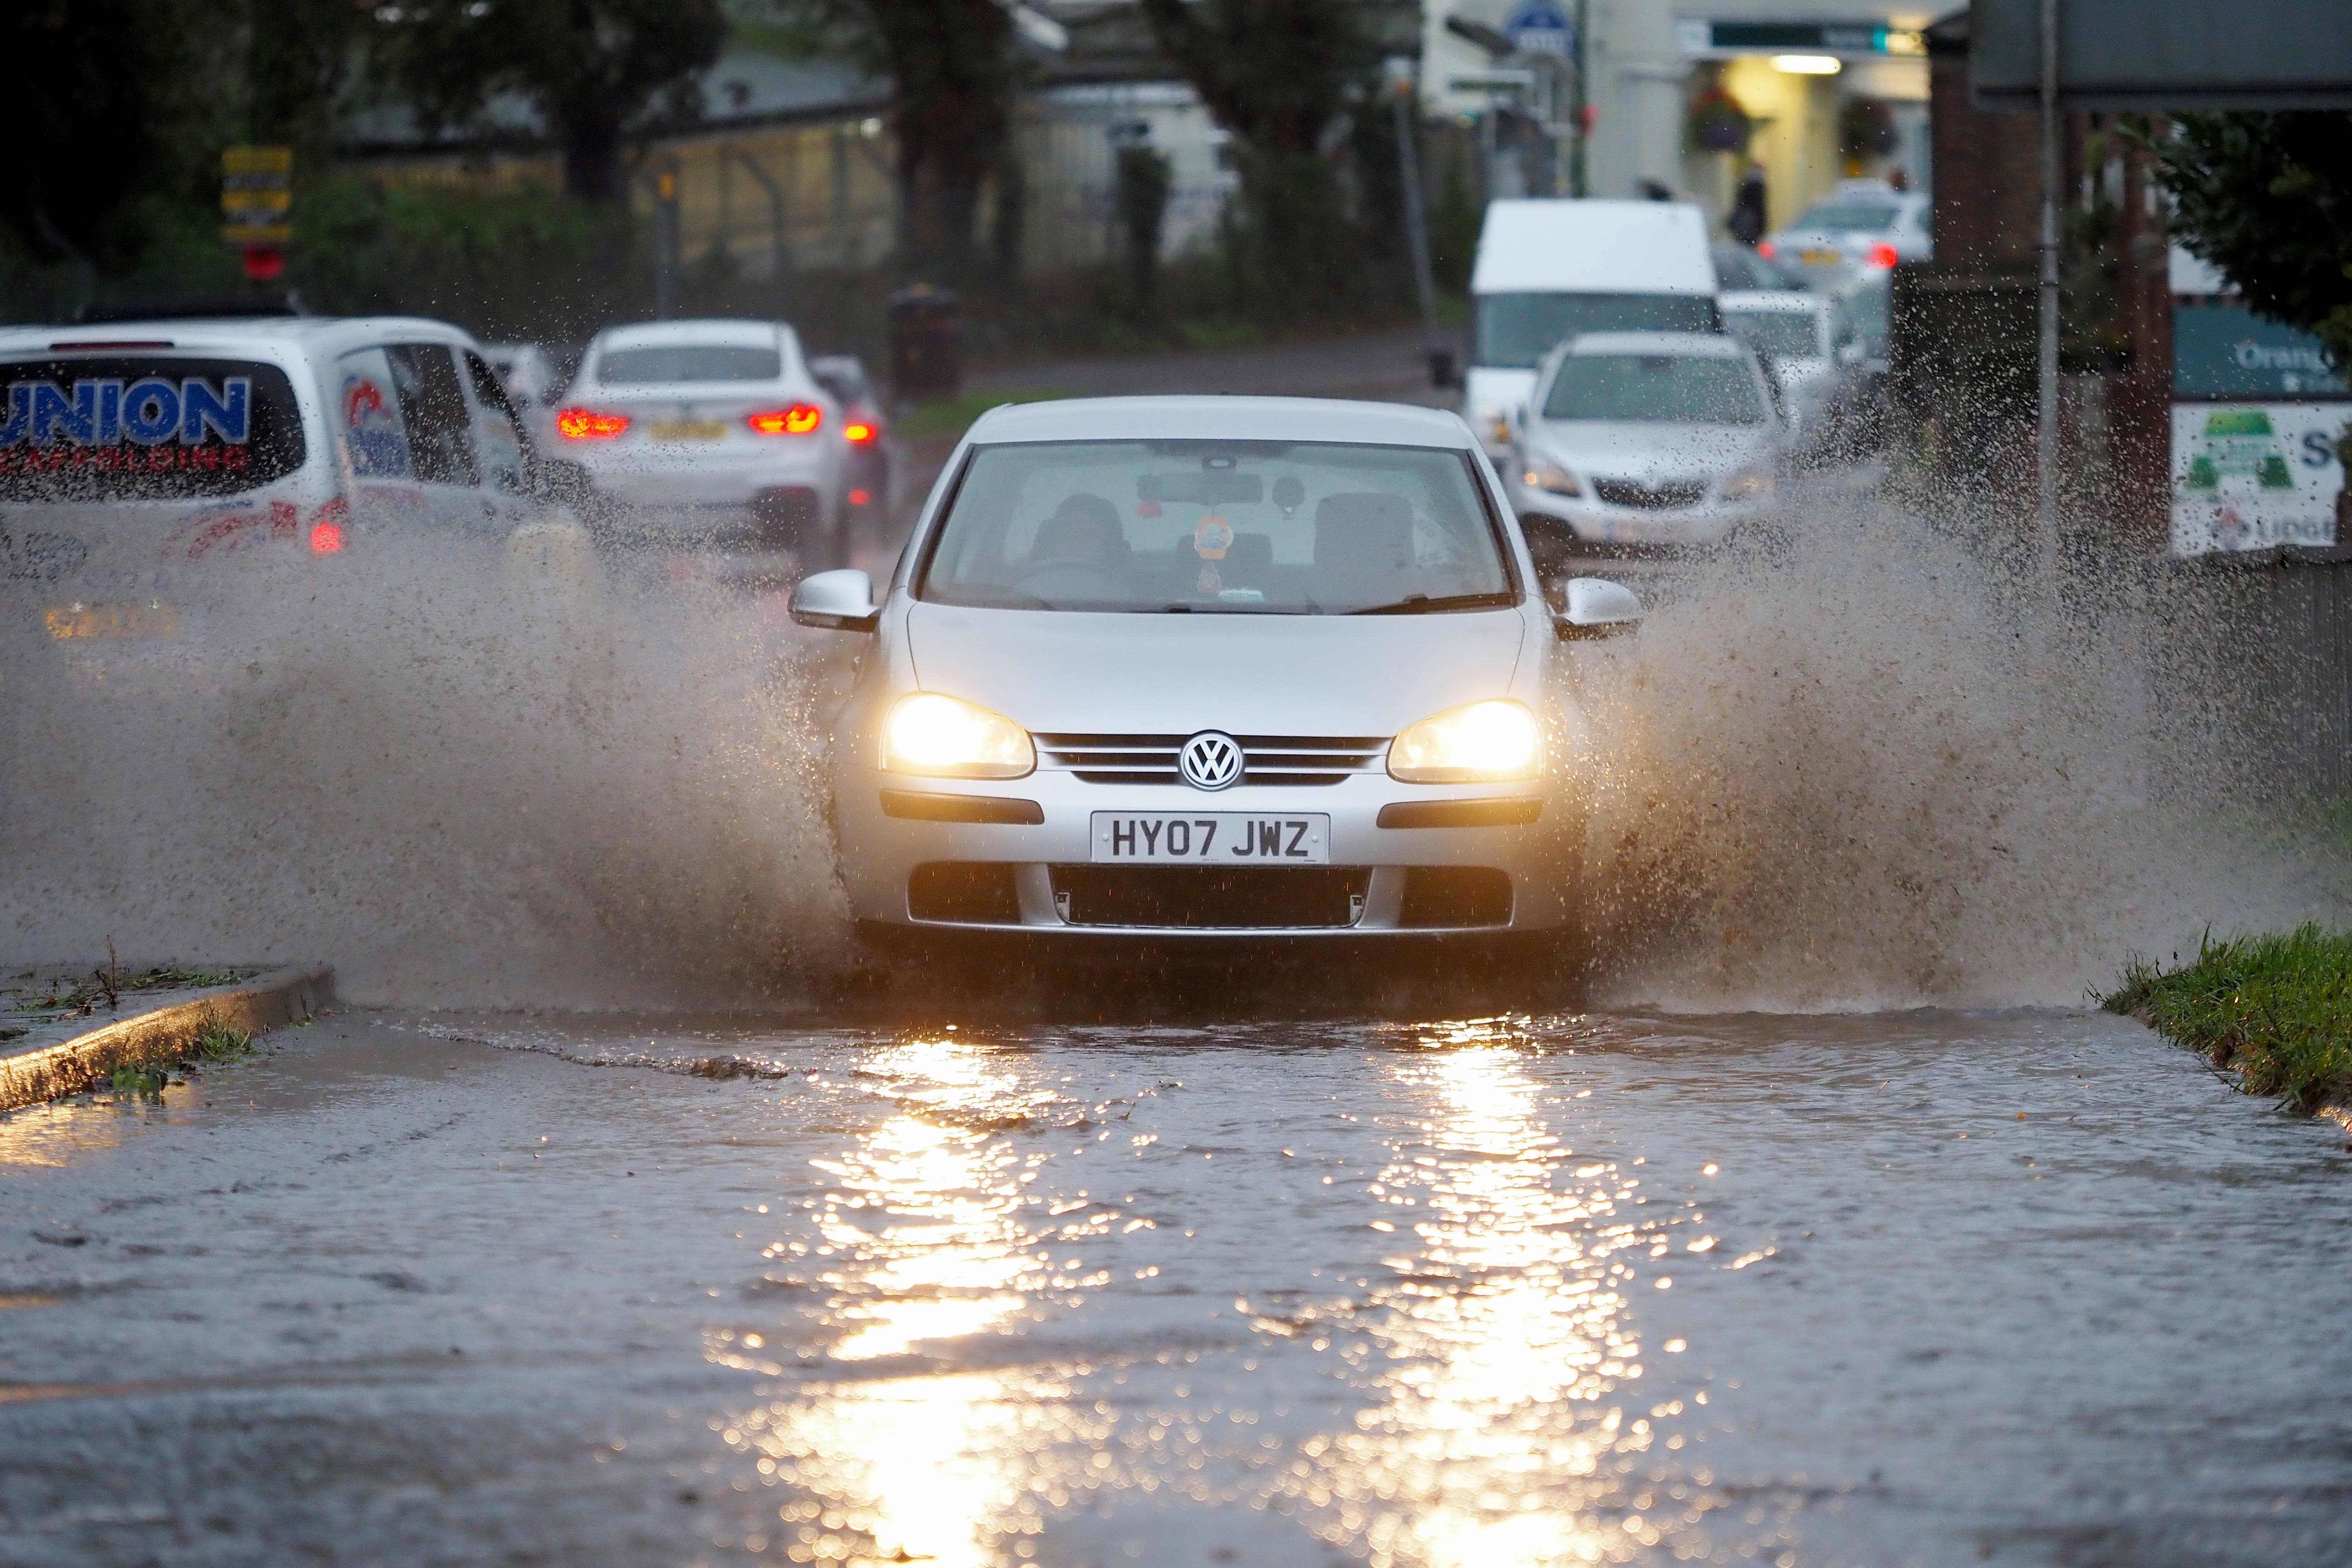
column 1764, row 249
column 326, row 538
column 798, row 420
column 858, row 432
column 1882, row 255
column 587, row 425
column 861, row 497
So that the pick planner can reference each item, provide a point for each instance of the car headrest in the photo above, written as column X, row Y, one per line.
column 1251, row 553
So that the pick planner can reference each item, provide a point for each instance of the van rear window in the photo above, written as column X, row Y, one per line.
column 144, row 426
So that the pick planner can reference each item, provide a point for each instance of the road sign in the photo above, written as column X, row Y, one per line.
column 2142, row 56
column 1540, row 27
column 257, row 195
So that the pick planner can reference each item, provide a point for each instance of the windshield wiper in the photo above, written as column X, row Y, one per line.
column 1422, row 604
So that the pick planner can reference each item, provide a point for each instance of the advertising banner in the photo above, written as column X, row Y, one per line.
column 2255, row 476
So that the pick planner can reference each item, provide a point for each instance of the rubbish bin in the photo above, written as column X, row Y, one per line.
column 926, row 343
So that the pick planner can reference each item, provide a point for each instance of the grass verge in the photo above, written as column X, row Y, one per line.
column 2277, row 1010
column 217, row 1040
column 950, row 416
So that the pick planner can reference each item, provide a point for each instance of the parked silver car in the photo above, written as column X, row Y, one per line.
column 1861, row 224
column 1648, row 440
column 1197, row 665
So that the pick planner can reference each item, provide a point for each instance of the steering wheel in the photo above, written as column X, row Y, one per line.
column 1070, row 577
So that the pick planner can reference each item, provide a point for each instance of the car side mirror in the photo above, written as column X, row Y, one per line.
column 1598, row 608
column 839, row 601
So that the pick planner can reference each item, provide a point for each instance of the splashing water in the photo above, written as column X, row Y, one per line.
column 460, row 781
column 1879, row 769
column 1867, row 770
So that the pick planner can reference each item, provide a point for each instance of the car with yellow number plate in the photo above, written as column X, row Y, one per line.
column 1201, row 667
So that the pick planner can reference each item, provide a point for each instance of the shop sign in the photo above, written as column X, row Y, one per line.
column 2220, row 349
column 2255, row 476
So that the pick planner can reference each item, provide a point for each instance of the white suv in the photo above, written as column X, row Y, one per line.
column 706, row 432
column 139, row 458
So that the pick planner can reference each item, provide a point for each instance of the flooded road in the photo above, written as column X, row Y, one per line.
column 1925, row 1287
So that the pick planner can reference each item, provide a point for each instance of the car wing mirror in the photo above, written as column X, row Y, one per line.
column 1598, row 608
column 840, row 601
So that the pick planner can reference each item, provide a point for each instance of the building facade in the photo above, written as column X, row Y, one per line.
column 1817, row 91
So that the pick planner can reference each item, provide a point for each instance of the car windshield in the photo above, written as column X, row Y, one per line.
column 1848, row 217
column 688, row 362
column 1676, row 389
column 1777, row 335
column 1516, row 330
column 1218, row 526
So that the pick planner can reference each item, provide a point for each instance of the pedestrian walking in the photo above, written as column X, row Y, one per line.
column 1746, row 220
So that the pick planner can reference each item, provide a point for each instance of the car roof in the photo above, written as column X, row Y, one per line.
column 703, row 330
column 1222, row 418
column 1687, row 345
column 301, row 334
column 1790, row 301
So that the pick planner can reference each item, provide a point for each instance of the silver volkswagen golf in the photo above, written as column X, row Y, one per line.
column 1213, row 665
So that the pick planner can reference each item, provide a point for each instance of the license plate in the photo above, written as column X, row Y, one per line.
column 1213, row 837
column 688, row 429
column 1819, row 258
column 112, row 621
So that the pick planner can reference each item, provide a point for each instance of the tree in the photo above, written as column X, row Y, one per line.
column 953, row 69
column 1140, row 184
column 1278, row 75
column 2267, row 198
column 596, row 71
column 98, row 92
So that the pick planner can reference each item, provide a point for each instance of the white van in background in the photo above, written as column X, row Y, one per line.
column 1549, row 270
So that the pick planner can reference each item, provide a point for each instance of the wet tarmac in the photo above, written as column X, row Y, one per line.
column 2028, row 1287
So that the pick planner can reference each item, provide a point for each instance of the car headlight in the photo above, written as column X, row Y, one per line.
column 1541, row 474
column 1485, row 742
column 945, row 737
column 1753, row 484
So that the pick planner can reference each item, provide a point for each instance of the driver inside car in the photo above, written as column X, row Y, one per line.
column 1078, row 547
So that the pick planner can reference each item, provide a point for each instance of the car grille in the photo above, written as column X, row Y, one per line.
column 1663, row 496
column 1267, row 758
column 1193, row 898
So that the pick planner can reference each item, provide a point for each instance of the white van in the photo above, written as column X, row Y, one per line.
column 145, row 464
column 1551, row 269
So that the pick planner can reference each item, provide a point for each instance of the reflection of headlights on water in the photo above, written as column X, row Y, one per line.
column 946, row 737
column 1485, row 742
column 1541, row 474
column 1755, row 484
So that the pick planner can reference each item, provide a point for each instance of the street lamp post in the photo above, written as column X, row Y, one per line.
column 2045, row 518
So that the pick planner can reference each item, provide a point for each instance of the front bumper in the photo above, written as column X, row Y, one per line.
column 1052, row 879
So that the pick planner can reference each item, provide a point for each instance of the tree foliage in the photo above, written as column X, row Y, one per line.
column 2267, row 198
column 953, row 71
column 1280, row 76
column 100, row 94
column 595, row 70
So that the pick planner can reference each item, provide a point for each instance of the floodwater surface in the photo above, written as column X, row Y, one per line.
column 1922, row 1287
